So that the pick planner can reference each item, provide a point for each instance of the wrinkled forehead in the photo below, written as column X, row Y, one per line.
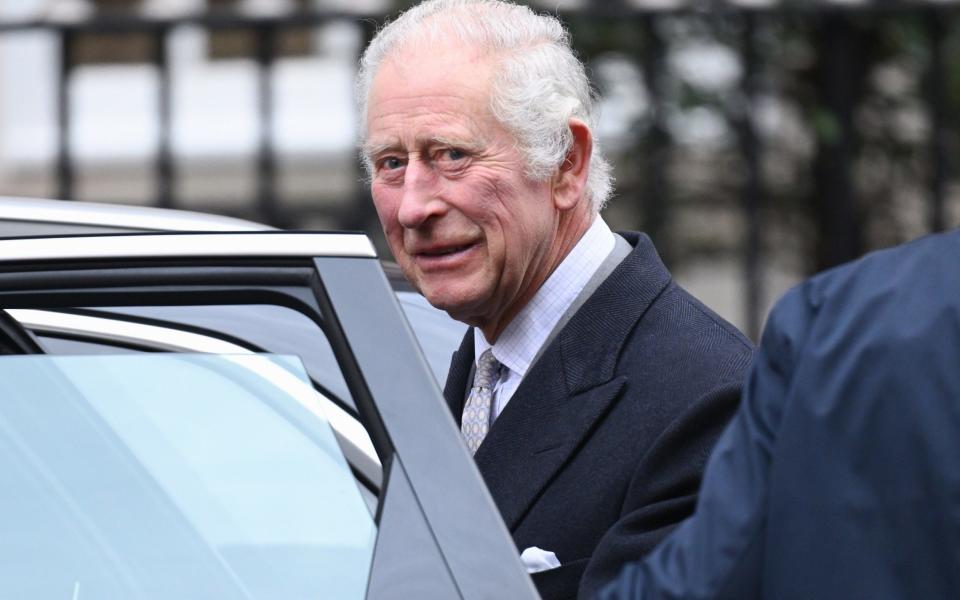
column 428, row 100
column 420, row 73
column 427, row 68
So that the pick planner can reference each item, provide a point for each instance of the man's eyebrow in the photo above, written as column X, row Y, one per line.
column 370, row 150
column 373, row 149
column 469, row 145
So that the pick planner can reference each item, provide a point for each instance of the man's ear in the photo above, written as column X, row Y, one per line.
column 570, row 180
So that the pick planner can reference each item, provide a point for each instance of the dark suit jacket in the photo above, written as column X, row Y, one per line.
column 839, row 477
column 599, row 452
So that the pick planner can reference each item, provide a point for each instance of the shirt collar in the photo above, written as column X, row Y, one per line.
column 522, row 338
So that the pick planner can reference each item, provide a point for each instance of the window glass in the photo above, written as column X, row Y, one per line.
column 276, row 329
column 282, row 330
column 439, row 335
column 173, row 476
column 57, row 345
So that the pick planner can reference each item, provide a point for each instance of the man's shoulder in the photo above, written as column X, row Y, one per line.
column 676, row 314
column 927, row 264
column 909, row 282
column 691, row 317
column 890, row 306
column 676, row 332
column 681, row 333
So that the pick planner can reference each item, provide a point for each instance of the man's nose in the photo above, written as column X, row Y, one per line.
column 420, row 201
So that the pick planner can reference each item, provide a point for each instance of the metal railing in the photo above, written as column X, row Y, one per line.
column 834, row 204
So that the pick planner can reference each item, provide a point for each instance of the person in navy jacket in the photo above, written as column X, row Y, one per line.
column 839, row 477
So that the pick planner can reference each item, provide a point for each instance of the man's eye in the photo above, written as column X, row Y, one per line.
column 391, row 163
column 453, row 154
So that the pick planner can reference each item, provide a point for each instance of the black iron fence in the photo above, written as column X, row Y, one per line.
column 159, row 31
column 828, row 200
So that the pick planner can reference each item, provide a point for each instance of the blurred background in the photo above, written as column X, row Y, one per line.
column 756, row 141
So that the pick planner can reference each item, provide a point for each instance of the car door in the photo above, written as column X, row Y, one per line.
column 435, row 530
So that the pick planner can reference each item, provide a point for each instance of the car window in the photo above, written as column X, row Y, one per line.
column 61, row 345
column 438, row 334
column 71, row 333
column 174, row 476
column 274, row 329
column 282, row 330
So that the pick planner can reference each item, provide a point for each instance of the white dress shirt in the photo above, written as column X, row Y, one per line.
column 521, row 340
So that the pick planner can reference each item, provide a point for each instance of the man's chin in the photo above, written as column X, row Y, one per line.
column 451, row 306
column 459, row 308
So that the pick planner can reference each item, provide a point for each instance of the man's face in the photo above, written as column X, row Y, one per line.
column 470, row 232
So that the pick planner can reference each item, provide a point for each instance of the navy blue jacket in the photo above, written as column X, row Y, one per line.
column 600, row 451
column 839, row 477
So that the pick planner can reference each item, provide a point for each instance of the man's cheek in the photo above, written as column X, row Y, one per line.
column 385, row 204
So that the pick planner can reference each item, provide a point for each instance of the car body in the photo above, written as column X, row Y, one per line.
column 229, row 414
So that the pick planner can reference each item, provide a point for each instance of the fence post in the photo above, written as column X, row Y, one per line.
column 655, row 191
column 64, row 168
column 936, row 103
column 164, row 161
column 363, row 213
column 752, row 193
column 841, row 82
column 266, row 159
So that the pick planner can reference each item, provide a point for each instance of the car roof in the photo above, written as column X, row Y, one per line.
column 188, row 244
column 83, row 216
column 133, row 218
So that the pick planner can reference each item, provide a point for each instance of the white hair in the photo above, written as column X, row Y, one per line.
column 538, row 87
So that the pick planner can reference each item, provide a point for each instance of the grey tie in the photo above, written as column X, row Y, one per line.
column 476, row 412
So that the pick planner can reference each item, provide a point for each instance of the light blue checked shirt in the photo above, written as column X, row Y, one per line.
column 520, row 342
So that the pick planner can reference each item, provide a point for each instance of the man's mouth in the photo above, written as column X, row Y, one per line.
column 444, row 251
column 443, row 257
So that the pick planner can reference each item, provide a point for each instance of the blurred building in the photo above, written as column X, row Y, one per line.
column 756, row 141
column 215, row 113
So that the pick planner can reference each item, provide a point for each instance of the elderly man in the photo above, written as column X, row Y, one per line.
column 590, row 387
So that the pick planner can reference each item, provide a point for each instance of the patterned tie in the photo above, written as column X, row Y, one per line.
column 476, row 412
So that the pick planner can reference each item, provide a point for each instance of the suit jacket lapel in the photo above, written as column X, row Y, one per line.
column 535, row 435
column 568, row 390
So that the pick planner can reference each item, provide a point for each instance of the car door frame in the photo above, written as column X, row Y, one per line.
column 432, row 493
